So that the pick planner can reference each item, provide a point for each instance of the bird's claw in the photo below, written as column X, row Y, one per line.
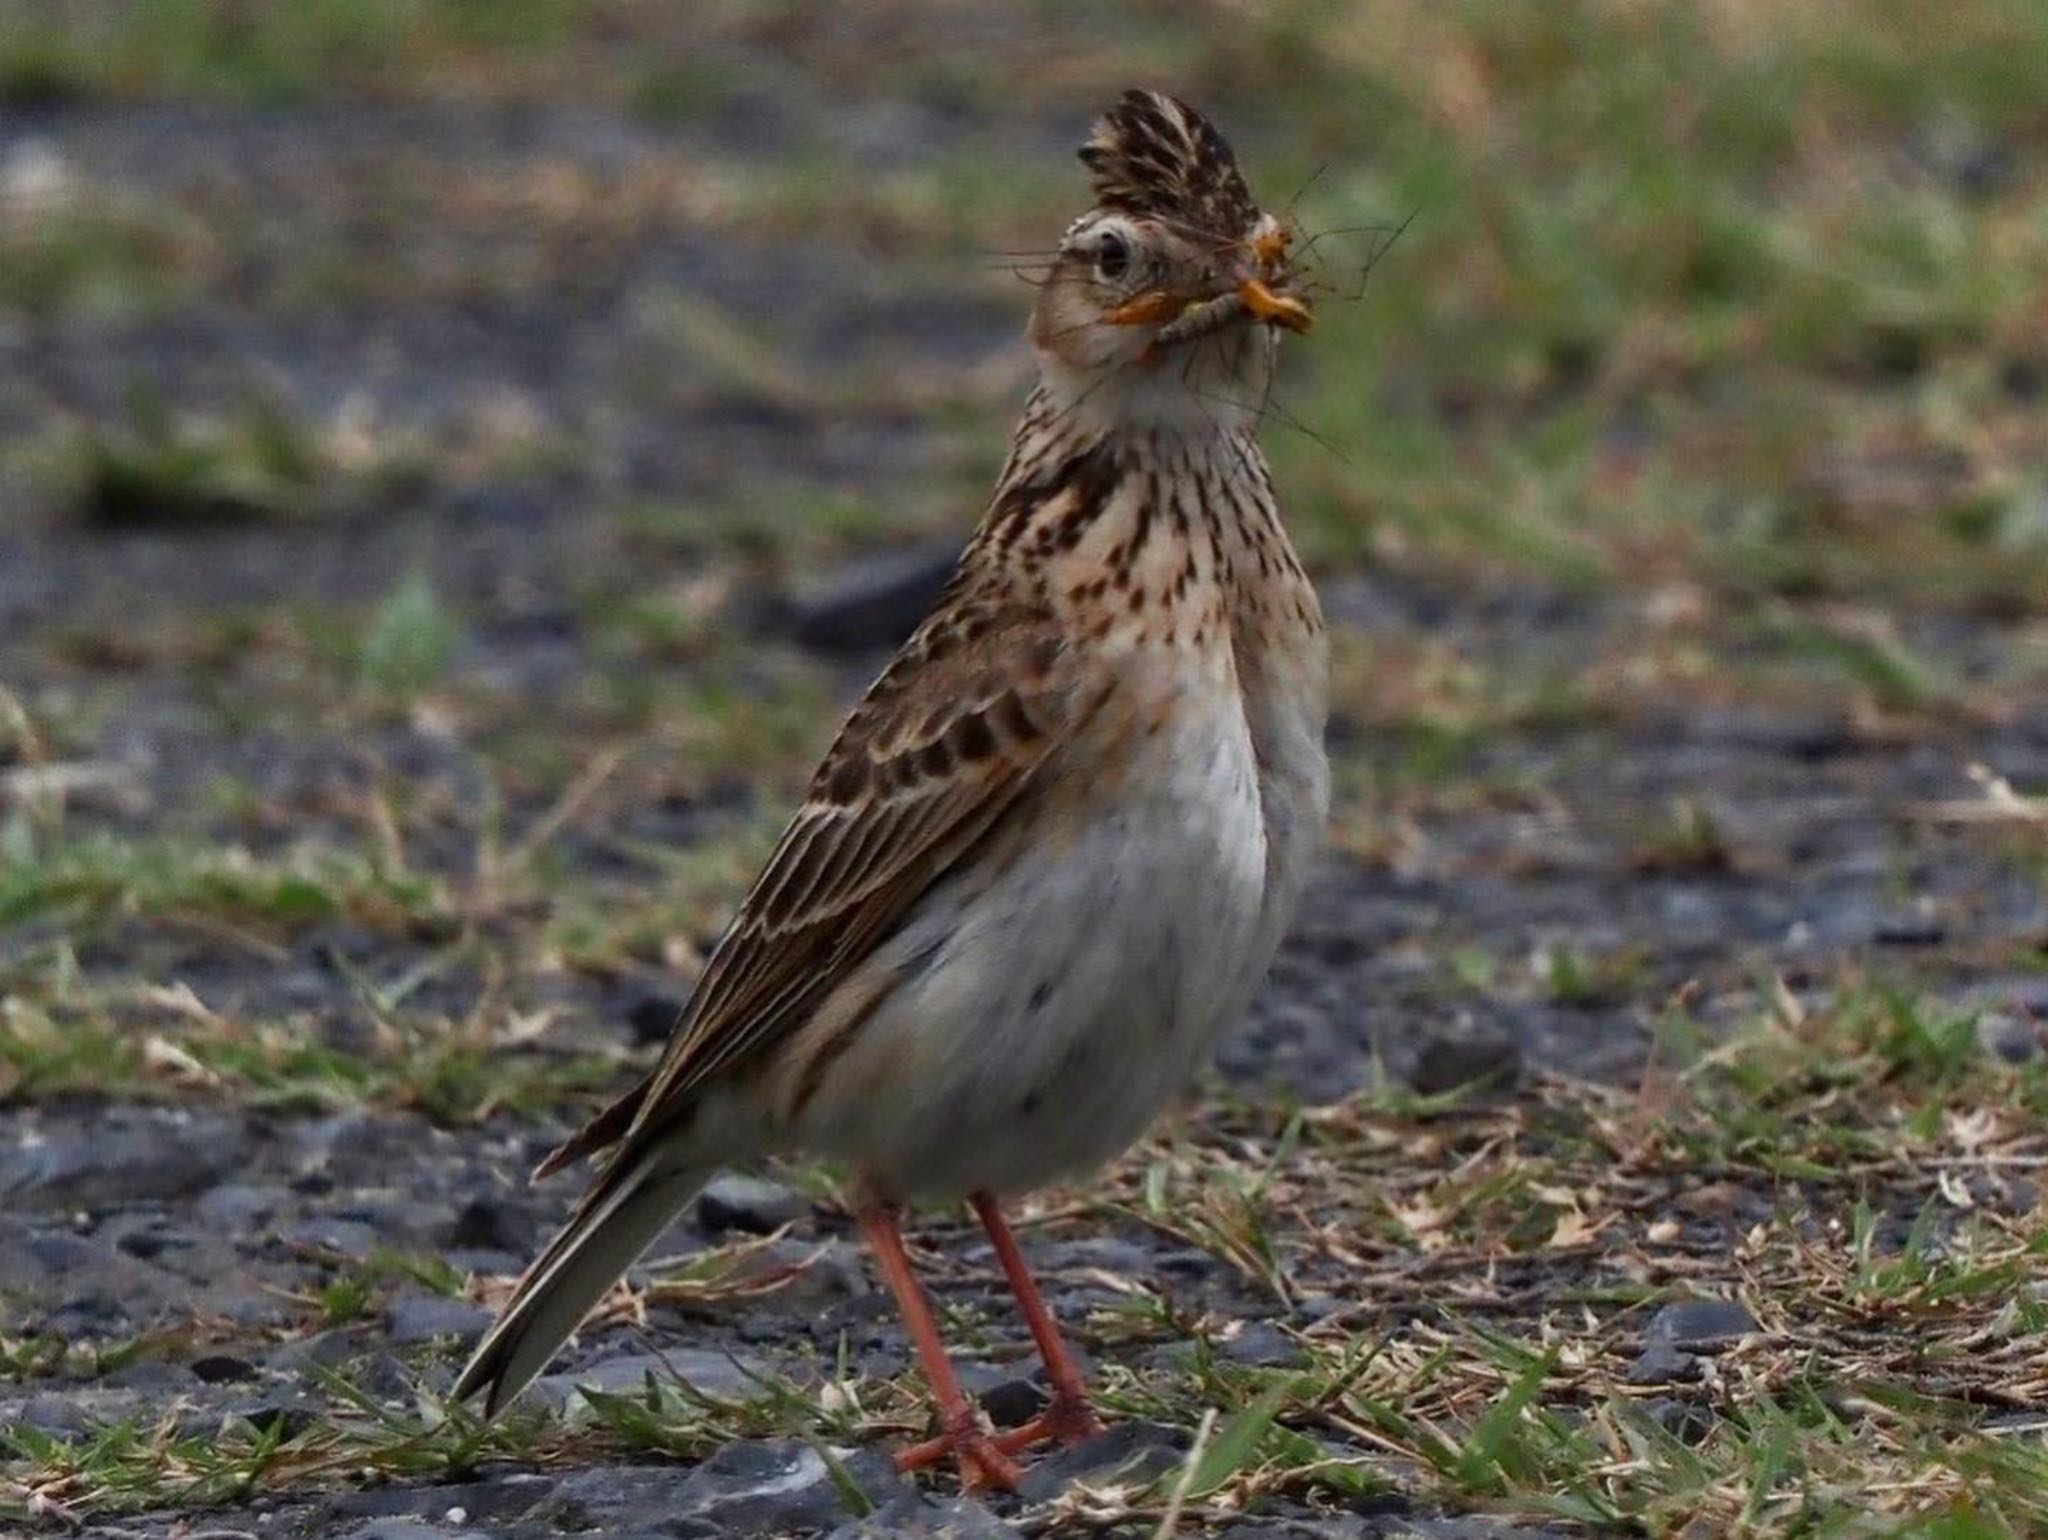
column 984, row 1467
column 984, row 1457
column 1065, row 1421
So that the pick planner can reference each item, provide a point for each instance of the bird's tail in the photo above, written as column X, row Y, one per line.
column 620, row 1218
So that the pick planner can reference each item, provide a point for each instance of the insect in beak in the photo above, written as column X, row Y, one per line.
column 1157, row 307
column 1272, row 247
column 1269, row 250
column 1279, row 309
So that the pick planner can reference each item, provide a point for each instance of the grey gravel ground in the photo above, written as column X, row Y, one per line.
column 215, row 1228
column 219, row 1226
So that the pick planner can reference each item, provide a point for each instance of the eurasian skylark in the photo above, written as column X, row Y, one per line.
column 1052, row 851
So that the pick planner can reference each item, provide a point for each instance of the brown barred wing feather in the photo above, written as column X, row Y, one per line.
column 943, row 744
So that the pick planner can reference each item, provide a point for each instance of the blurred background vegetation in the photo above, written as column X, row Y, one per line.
column 1735, row 308
column 541, row 376
column 427, row 422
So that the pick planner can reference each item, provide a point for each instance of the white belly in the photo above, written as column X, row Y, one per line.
column 1038, row 1029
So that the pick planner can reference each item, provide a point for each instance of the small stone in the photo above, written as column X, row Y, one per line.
column 2008, row 1038
column 705, row 1369
column 431, row 1317
column 1310, row 1309
column 872, row 602
column 818, row 1274
column 35, row 177
column 258, row 1312
column 653, row 1018
column 237, row 1207
column 146, row 1245
column 1917, row 927
column 59, row 1416
column 1700, row 1325
column 484, row 1504
column 97, row 1313
column 912, row 1517
column 223, row 1369
column 1261, row 1344
column 607, row 1500
column 58, row 1252
column 338, row 1140
column 748, row 1203
column 347, row 1237
column 1662, row 1364
column 708, row 1501
column 1131, row 1453
column 1687, row 1421
column 156, row 1380
column 401, row 1221
column 1463, row 1527
column 1183, row 1262
column 155, row 1157
column 773, row 1487
column 486, row 1261
column 385, row 1374
column 1012, row 1401
column 327, row 1349
column 489, row 1224
column 1481, row 1057
column 1106, row 1253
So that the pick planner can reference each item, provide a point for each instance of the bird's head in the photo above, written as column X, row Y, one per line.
column 1166, row 296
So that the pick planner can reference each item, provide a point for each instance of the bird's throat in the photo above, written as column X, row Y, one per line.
column 1140, row 531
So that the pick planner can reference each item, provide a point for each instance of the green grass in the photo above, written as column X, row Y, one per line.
column 98, row 876
column 166, row 468
column 260, row 56
column 62, row 1037
column 409, row 640
column 1679, row 295
column 1740, row 262
column 1720, row 323
column 66, row 254
column 1491, row 1265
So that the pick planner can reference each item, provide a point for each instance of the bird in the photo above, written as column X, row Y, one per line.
column 1052, row 851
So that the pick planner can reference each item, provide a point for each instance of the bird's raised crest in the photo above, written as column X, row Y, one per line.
column 1154, row 156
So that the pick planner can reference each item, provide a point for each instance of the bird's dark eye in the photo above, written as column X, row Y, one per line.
column 1112, row 255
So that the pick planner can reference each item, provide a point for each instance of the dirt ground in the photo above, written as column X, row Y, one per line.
column 435, row 531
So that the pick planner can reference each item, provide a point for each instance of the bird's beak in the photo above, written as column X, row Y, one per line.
column 1259, row 263
column 1158, row 307
column 1155, row 307
column 1278, row 309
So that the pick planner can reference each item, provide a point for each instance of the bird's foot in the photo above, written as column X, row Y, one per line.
column 984, row 1466
column 1067, row 1420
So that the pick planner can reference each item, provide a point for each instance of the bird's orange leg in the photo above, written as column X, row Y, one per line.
column 1070, row 1417
column 982, row 1464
